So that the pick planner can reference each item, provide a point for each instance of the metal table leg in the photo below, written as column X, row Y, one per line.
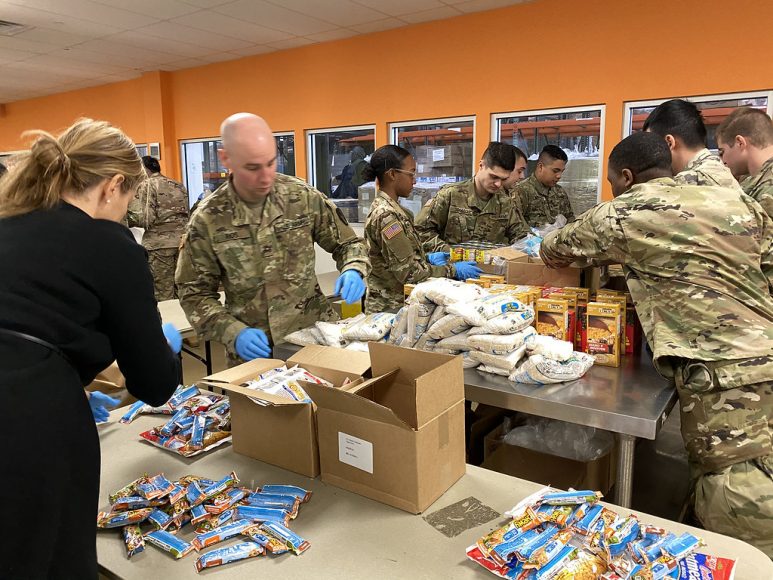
column 208, row 356
column 624, row 480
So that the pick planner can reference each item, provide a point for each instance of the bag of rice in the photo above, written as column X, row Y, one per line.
column 372, row 327
column 468, row 362
column 332, row 333
column 399, row 325
column 437, row 314
column 499, row 343
column 477, row 312
column 506, row 323
column 493, row 370
column 455, row 342
column 358, row 346
column 506, row 362
column 444, row 291
column 424, row 343
column 538, row 370
column 303, row 337
column 418, row 316
column 549, row 347
column 446, row 351
column 449, row 325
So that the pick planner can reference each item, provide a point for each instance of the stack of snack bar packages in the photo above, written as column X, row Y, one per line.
column 199, row 421
column 159, row 512
column 555, row 535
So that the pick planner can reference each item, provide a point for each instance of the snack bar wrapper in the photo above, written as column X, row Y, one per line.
column 169, row 543
column 706, row 568
column 298, row 492
column 221, row 556
column 120, row 519
column 132, row 537
column 269, row 543
column 221, row 534
column 293, row 541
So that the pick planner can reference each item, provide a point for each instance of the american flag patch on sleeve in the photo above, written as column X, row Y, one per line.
column 392, row 230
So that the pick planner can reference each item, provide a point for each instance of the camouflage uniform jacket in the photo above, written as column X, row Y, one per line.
column 542, row 205
column 699, row 266
column 760, row 187
column 707, row 169
column 397, row 255
column 457, row 215
column 160, row 206
column 266, row 265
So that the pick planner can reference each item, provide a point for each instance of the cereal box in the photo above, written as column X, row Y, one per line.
column 552, row 318
column 603, row 329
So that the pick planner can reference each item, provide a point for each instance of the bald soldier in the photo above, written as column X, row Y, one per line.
column 478, row 209
column 699, row 265
column 745, row 140
column 255, row 235
column 680, row 123
column 160, row 206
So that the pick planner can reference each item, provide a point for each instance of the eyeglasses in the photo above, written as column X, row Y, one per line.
column 411, row 173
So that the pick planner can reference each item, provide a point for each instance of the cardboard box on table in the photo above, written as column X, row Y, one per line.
column 283, row 433
column 399, row 437
column 519, row 268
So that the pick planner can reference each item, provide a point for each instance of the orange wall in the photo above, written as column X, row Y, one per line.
column 543, row 54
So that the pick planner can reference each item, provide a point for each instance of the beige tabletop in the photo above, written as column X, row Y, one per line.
column 350, row 536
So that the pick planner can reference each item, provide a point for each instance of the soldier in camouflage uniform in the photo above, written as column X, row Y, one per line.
column 745, row 140
column 161, row 208
column 255, row 235
column 478, row 209
column 396, row 253
column 542, row 200
column 699, row 266
column 680, row 123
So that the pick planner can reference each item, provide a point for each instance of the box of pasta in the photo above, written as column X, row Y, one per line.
column 552, row 318
column 603, row 324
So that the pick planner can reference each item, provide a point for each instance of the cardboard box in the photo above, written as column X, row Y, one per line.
column 552, row 318
column 519, row 268
column 399, row 437
column 582, row 296
column 614, row 297
column 603, row 340
column 284, row 433
column 547, row 469
column 483, row 283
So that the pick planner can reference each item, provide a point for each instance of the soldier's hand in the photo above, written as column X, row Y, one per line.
column 100, row 403
column 350, row 286
column 438, row 258
column 252, row 343
column 173, row 337
column 466, row 270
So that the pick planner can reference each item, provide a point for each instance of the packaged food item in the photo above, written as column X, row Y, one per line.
column 549, row 347
column 493, row 278
column 221, row 556
column 583, row 566
column 303, row 337
column 225, row 501
column 494, row 370
column 522, row 522
column 269, row 543
column 169, row 543
column 706, row 567
column 134, row 411
column 538, row 370
column 603, row 341
column 581, row 320
column 505, row 362
column 553, row 318
column 657, row 570
column 303, row 495
column 221, row 534
column 682, row 546
column 617, row 298
column 478, row 282
column 293, row 541
column 196, row 495
column 132, row 537
column 160, row 519
column 507, row 323
column 547, row 552
column 372, row 327
column 120, row 519
column 332, row 333
column 468, row 362
column 623, row 534
column 443, row 292
column 571, row 497
column 449, row 325
column 130, row 503
column 289, row 503
column 477, row 312
column 407, row 289
column 499, row 343
column 127, row 491
column 585, row 524
column 263, row 514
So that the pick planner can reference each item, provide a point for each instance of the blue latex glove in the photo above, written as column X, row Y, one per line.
column 350, row 286
column 173, row 338
column 252, row 343
column 466, row 270
column 99, row 402
column 438, row 258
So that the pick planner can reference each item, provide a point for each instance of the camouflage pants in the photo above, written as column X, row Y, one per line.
column 162, row 265
column 738, row 502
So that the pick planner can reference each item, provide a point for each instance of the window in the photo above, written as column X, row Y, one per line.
column 336, row 158
column 578, row 131
column 142, row 149
column 203, row 173
column 713, row 107
column 444, row 150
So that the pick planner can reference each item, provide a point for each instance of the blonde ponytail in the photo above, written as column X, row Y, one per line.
column 80, row 158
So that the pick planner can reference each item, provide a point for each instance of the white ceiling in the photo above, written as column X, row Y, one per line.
column 71, row 44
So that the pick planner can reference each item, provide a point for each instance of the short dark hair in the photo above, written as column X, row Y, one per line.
column 752, row 124
column 552, row 153
column 383, row 159
column 640, row 152
column 151, row 164
column 519, row 154
column 499, row 154
column 679, row 118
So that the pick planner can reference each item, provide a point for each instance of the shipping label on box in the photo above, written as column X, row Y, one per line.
column 603, row 340
column 552, row 318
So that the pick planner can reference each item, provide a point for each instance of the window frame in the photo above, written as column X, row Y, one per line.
column 601, row 107
column 310, row 133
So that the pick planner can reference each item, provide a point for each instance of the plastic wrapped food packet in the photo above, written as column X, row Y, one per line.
column 221, row 534
column 478, row 312
column 132, row 537
column 456, row 342
column 507, row 323
column 269, row 543
column 538, row 370
column 447, row 351
column 449, row 325
column 289, row 503
column 293, row 541
column 332, row 333
column 130, row 503
column 499, row 343
column 160, row 519
column 584, row 566
column 520, row 524
column 571, row 497
column 181, row 395
column 493, row 370
column 444, row 291
column 682, row 546
column 399, row 325
column 468, row 362
column 224, row 501
column 437, row 314
column 169, row 543
column 303, row 337
column 120, row 519
column 196, row 495
column 240, row 551
column 134, row 411
column 425, row 343
column 541, row 556
column 263, row 514
column 549, row 347
column 212, row 521
column 506, row 362
column 298, row 492
column 372, row 327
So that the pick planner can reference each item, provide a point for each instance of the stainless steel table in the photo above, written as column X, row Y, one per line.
column 351, row 536
column 631, row 401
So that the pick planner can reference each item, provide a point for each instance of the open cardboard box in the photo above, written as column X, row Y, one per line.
column 397, row 438
column 520, row 268
column 283, row 433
